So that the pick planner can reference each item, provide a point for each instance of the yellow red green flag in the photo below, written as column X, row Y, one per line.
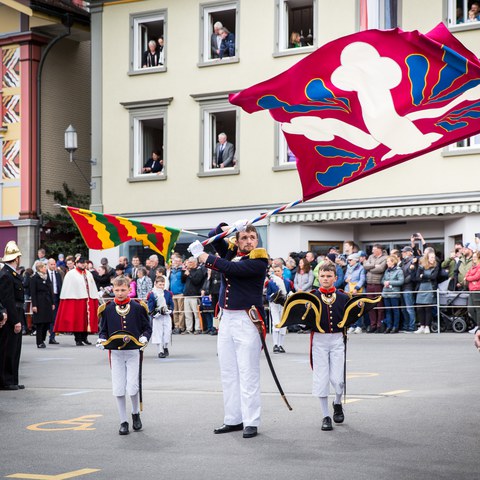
column 101, row 231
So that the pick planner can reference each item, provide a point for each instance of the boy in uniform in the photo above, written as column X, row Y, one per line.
column 125, row 330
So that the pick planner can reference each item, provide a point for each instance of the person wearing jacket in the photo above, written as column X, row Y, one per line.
column 473, row 279
column 375, row 265
column 426, row 277
column 355, row 280
column 304, row 278
column 193, row 277
column 407, row 265
column 392, row 280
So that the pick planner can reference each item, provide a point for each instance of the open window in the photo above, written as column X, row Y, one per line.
column 296, row 25
column 381, row 14
column 468, row 145
column 148, row 151
column 219, row 27
column 463, row 13
column 148, row 42
column 284, row 157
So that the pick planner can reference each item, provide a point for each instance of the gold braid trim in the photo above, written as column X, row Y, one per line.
column 101, row 308
column 130, row 338
column 356, row 305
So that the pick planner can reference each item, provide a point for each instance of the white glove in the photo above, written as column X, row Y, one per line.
column 143, row 340
column 99, row 344
column 241, row 225
column 195, row 248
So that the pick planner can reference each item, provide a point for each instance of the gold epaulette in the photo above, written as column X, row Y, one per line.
column 232, row 243
column 142, row 303
column 258, row 253
column 101, row 308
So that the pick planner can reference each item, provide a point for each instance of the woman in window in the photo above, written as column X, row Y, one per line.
column 227, row 47
column 296, row 41
column 153, row 164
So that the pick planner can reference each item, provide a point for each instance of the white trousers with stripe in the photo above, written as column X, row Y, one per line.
column 239, row 347
column 328, row 356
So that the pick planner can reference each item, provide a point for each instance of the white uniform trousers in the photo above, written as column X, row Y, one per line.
column 161, row 329
column 327, row 356
column 125, row 365
column 239, row 347
column 277, row 333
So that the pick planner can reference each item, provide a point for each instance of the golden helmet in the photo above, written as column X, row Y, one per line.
column 11, row 251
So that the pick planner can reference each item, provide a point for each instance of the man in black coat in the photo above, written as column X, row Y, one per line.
column 55, row 280
column 12, row 298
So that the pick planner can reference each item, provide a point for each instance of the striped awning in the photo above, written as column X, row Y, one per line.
column 391, row 212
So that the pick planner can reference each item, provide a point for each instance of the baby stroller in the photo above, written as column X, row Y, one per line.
column 453, row 310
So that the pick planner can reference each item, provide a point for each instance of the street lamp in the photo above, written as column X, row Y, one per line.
column 71, row 145
column 71, row 141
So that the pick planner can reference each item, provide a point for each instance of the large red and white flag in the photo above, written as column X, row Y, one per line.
column 371, row 100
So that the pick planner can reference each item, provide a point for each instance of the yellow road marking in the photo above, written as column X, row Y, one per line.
column 394, row 392
column 61, row 476
column 80, row 423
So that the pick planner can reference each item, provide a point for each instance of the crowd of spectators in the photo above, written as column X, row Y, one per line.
column 407, row 280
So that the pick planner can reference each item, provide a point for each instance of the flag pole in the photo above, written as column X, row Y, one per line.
column 254, row 220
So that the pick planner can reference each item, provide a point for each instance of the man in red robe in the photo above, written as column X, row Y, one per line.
column 78, row 307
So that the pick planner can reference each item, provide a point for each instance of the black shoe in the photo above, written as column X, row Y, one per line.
column 79, row 344
column 136, row 422
column 380, row 329
column 387, row 330
column 327, row 424
column 161, row 355
column 124, row 429
column 281, row 349
column 86, row 342
column 338, row 416
column 10, row 387
column 371, row 329
column 249, row 432
column 166, row 352
column 228, row 428
column 21, row 387
column 214, row 332
column 42, row 345
column 275, row 349
column 54, row 342
column 394, row 330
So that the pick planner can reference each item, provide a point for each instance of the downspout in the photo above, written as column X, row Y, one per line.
column 67, row 21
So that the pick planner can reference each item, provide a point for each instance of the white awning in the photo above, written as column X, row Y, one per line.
column 377, row 213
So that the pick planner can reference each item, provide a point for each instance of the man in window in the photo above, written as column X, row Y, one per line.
column 153, row 164
column 161, row 50
column 216, row 40
column 151, row 56
column 224, row 152
column 227, row 47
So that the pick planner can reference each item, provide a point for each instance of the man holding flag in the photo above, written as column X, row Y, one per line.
column 244, row 267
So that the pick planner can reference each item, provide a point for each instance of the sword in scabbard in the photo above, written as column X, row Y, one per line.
column 140, row 380
column 257, row 321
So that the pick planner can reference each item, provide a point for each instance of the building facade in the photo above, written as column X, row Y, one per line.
column 45, row 86
column 179, row 106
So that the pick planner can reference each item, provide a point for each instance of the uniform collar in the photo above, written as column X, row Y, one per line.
column 327, row 291
column 123, row 302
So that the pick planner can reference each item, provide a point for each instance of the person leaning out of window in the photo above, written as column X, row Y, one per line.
column 154, row 164
column 296, row 41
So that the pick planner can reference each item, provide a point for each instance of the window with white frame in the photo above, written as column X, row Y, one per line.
column 466, row 145
column 219, row 150
column 148, row 133
column 219, row 27
column 148, row 41
column 463, row 12
column 296, row 24
column 381, row 14
column 285, row 159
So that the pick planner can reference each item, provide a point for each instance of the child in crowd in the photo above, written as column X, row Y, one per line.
column 160, row 307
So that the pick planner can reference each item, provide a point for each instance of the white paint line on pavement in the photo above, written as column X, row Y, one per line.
column 49, row 359
column 75, row 393
column 394, row 392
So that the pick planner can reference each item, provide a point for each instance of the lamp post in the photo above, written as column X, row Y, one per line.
column 71, row 145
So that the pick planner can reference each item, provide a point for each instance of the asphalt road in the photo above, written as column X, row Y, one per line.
column 413, row 412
